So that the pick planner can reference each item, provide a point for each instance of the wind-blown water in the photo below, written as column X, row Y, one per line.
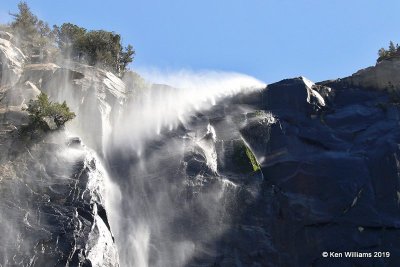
column 159, row 215
column 165, row 198
column 163, row 106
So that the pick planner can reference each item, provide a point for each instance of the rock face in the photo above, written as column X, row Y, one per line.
column 325, row 178
column 11, row 59
column 270, row 177
column 52, row 207
column 383, row 76
column 95, row 95
column 52, row 187
column 331, row 178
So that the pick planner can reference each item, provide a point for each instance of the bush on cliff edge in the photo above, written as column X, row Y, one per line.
column 47, row 115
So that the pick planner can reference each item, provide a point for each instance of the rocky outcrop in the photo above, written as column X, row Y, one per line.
column 382, row 76
column 52, row 207
column 293, row 96
column 331, row 178
column 11, row 63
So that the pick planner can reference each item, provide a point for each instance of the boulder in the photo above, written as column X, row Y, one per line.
column 294, row 96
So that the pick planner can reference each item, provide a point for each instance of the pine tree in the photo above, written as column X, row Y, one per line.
column 32, row 33
column 24, row 25
column 392, row 48
column 126, row 57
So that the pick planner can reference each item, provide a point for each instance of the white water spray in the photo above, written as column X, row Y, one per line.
column 143, row 218
column 162, row 107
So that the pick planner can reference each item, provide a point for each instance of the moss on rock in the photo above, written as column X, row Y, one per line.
column 243, row 158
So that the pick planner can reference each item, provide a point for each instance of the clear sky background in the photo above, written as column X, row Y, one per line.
column 267, row 39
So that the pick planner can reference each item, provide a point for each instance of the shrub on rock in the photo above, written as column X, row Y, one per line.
column 394, row 50
column 244, row 159
column 48, row 115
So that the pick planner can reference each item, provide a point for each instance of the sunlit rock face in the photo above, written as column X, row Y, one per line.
column 11, row 62
column 383, row 76
column 95, row 95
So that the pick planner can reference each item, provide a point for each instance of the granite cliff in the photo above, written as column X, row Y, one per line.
column 52, row 200
column 258, row 176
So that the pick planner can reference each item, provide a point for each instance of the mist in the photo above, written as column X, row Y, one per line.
column 171, row 100
column 160, row 215
column 147, row 134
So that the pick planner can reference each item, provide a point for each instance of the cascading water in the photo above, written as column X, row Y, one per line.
column 174, row 162
column 105, row 110
column 166, row 200
column 184, row 169
column 207, row 143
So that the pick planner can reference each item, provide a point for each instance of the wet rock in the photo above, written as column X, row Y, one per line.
column 53, row 209
column 20, row 95
column 259, row 132
column 50, row 123
column 74, row 141
column 329, row 171
column 84, row 87
column 51, row 194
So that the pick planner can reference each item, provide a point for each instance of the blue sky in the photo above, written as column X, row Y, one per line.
column 267, row 39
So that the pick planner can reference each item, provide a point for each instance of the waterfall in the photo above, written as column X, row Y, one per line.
column 207, row 143
column 106, row 128
column 150, row 197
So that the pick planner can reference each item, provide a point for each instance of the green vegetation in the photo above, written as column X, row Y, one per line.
column 41, row 43
column 243, row 158
column 42, row 111
column 101, row 47
column 252, row 158
column 393, row 50
column 32, row 33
